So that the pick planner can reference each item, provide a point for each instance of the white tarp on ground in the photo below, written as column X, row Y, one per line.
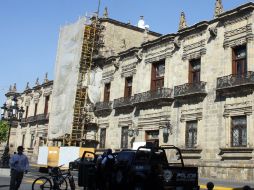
column 66, row 78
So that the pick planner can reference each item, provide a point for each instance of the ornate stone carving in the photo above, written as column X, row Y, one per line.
column 105, row 13
column 159, row 52
column 218, row 8
column 191, row 114
column 194, row 50
column 238, row 36
column 242, row 108
column 176, row 42
column 182, row 23
column 237, row 19
column 125, row 121
column 213, row 31
column 48, row 91
column 153, row 121
column 128, row 70
column 108, row 76
column 139, row 55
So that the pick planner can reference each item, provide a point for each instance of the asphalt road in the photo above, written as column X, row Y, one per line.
column 33, row 174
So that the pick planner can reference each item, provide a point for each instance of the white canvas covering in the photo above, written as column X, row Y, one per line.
column 94, row 85
column 66, row 78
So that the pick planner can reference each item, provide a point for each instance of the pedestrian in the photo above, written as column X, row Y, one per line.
column 107, row 165
column 19, row 165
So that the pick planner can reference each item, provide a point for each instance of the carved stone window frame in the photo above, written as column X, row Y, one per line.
column 195, row 50
column 237, row 109
column 129, row 70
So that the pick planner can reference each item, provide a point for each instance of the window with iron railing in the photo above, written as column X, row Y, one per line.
column 27, row 108
column 35, row 108
column 106, row 92
column 191, row 134
column 194, row 70
column 128, row 87
column 239, row 60
column 157, row 78
column 46, row 105
column 239, row 131
column 124, row 137
column 102, row 137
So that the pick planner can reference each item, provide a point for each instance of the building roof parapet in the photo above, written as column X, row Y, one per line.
column 129, row 52
column 127, row 25
column 164, row 38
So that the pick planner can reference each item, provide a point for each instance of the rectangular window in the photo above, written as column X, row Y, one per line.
column 128, row 87
column 35, row 109
column 239, row 131
column 106, row 92
column 191, row 134
column 124, row 137
column 27, row 107
column 46, row 105
column 103, row 138
column 32, row 141
column 157, row 78
column 239, row 61
column 194, row 70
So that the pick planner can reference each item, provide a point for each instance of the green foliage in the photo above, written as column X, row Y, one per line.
column 3, row 131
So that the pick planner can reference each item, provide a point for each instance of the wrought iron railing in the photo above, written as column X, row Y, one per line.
column 235, row 80
column 190, row 88
column 42, row 117
column 31, row 119
column 123, row 102
column 161, row 93
column 103, row 106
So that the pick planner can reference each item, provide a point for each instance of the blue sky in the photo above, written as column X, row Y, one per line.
column 29, row 29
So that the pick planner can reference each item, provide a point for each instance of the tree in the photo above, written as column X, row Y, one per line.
column 3, row 131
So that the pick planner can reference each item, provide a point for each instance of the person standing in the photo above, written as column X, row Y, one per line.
column 19, row 165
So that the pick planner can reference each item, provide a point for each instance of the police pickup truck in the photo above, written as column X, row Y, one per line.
column 147, row 168
column 154, row 168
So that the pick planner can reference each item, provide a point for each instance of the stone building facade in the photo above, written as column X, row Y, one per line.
column 192, row 89
column 32, row 131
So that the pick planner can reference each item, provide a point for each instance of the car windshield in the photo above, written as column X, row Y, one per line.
column 125, row 156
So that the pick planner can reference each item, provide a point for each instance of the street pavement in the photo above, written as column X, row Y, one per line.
column 33, row 174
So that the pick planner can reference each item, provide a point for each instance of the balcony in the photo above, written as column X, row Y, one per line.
column 190, row 89
column 160, row 95
column 123, row 102
column 103, row 106
column 235, row 83
column 42, row 117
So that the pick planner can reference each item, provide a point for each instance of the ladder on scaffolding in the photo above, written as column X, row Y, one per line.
column 89, row 45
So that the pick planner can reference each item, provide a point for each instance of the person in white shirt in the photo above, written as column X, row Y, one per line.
column 19, row 165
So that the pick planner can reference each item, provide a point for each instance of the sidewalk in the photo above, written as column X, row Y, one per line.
column 224, row 184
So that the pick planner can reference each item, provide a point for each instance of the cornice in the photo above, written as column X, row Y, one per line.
column 126, row 25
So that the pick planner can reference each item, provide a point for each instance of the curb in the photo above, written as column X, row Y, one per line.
column 5, row 172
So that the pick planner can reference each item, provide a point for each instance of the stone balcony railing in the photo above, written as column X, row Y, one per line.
column 123, row 102
column 149, row 96
column 189, row 89
column 37, row 118
column 234, row 81
column 101, row 106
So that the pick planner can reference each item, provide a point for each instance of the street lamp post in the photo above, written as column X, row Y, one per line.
column 10, row 114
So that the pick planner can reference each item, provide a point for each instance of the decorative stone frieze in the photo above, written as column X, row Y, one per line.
column 194, row 50
column 238, row 36
column 242, row 108
column 237, row 19
column 159, row 52
column 191, row 114
column 128, row 70
column 108, row 76
column 125, row 121
column 48, row 91
column 37, row 96
column 103, row 122
column 153, row 121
